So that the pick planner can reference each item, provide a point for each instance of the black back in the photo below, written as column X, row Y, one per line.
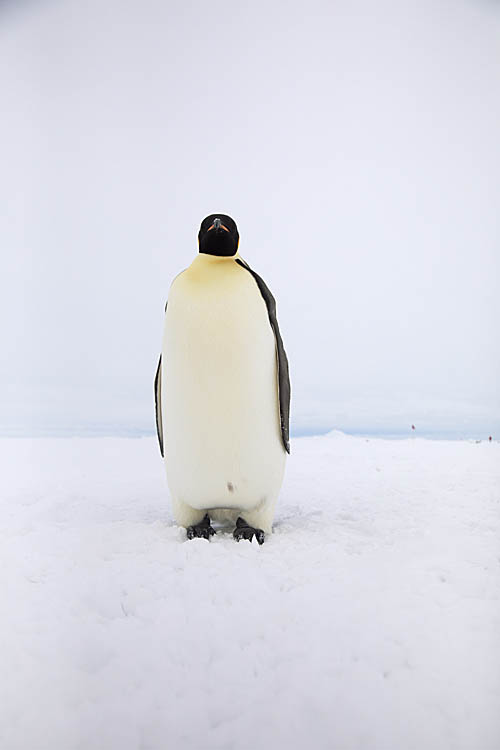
column 284, row 390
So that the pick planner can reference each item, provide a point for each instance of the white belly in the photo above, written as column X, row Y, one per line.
column 220, row 407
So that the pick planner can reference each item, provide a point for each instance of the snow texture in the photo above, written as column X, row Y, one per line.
column 370, row 619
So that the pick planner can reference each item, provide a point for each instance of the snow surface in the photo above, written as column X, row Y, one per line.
column 370, row 619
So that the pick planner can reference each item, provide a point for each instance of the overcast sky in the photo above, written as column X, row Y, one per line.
column 357, row 146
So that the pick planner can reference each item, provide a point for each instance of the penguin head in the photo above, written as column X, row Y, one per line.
column 218, row 235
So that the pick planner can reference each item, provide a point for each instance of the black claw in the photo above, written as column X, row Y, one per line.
column 201, row 530
column 244, row 531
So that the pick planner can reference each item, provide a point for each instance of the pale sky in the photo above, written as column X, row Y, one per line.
column 356, row 145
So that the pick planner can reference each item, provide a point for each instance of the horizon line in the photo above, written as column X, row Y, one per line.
column 366, row 432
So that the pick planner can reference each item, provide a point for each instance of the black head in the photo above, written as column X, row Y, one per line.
column 218, row 235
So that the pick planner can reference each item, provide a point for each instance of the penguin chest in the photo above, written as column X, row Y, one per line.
column 220, row 393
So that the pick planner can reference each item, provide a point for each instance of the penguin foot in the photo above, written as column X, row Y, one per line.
column 244, row 531
column 201, row 530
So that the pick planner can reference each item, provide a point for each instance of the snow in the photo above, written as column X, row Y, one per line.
column 370, row 619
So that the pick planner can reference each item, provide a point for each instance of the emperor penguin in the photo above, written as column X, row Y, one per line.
column 222, row 391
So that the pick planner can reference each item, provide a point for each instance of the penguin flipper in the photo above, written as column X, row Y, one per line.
column 283, row 371
column 159, row 422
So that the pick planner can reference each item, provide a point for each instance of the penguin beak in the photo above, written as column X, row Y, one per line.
column 218, row 226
